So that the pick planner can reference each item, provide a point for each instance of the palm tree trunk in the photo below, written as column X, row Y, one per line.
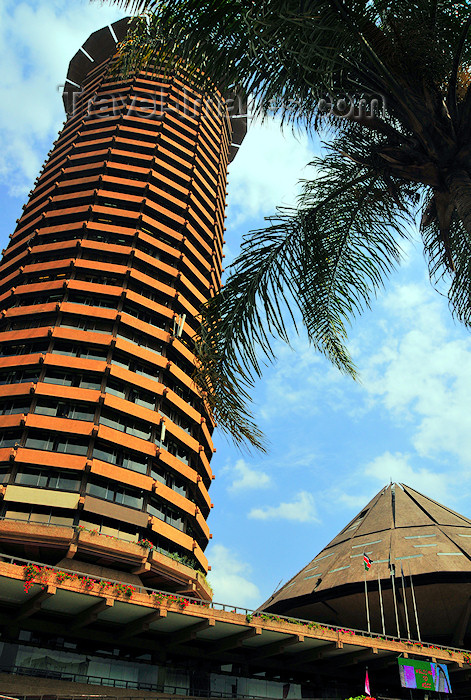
column 459, row 186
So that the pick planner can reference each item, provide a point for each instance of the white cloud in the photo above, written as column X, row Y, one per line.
column 229, row 578
column 421, row 373
column 297, row 457
column 397, row 467
column 300, row 377
column 348, row 498
column 301, row 509
column 266, row 171
column 36, row 44
column 245, row 478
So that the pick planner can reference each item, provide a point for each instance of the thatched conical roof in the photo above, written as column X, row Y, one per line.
column 398, row 528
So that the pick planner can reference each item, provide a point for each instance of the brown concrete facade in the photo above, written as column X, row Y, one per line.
column 63, row 621
column 102, row 428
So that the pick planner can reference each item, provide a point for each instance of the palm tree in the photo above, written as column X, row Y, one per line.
column 389, row 82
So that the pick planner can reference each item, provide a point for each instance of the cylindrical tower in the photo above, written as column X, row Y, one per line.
column 105, row 441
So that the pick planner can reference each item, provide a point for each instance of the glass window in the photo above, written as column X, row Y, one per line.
column 143, row 398
column 130, row 500
column 86, row 352
column 97, row 490
column 103, row 302
column 65, row 349
column 157, row 511
column 69, row 445
column 112, row 422
column 65, row 482
column 46, row 409
column 53, row 377
column 43, row 479
column 116, row 389
column 63, row 409
column 127, row 460
column 179, row 486
column 16, row 515
column 140, row 430
column 101, row 326
column 135, row 463
column 121, row 361
column 94, row 353
column 175, row 519
column 59, row 520
column 118, row 422
column 32, row 477
column 81, row 412
column 167, row 514
column 148, row 373
column 10, row 438
column 23, row 349
column 105, row 454
column 19, row 377
column 90, row 382
column 38, row 443
column 11, row 407
column 159, row 474
column 178, row 451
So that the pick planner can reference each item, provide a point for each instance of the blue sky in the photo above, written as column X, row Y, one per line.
column 333, row 443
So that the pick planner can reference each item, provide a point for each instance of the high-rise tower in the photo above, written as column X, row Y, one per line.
column 105, row 441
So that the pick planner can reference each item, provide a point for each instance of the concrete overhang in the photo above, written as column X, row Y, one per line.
column 157, row 621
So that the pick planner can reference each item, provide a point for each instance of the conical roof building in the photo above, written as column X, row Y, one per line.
column 421, row 554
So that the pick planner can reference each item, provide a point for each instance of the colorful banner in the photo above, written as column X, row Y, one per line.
column 424, row 675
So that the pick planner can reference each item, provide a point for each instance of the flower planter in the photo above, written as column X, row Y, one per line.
column 118, row 550
column 11, row 530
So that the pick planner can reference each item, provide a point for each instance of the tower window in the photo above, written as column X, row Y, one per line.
column 65, row 409
column 19, row 376
column 39, row 478
column 132, row 498
column 88, row 381
column 128, row 460
column 36, row 440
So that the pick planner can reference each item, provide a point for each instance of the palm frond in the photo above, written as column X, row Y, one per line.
column 288, row 54
column 321, row 264
column 318, row 266
column 448, row 250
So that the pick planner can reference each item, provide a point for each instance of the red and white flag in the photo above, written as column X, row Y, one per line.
column 367, row 562
column 367, row 684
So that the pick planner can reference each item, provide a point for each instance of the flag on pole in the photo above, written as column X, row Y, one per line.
column 367, row 562
column 367, row 684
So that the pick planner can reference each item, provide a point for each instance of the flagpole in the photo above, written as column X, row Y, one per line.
column 405, row 602
column 392, row 570
column 381, row 603
column 367, row 606
column 415, row 606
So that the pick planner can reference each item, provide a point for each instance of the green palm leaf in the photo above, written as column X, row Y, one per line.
column 321, row 264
